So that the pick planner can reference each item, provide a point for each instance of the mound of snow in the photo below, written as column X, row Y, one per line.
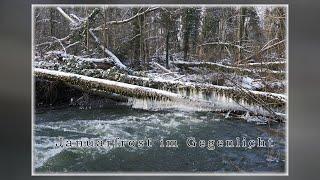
column 251, row 84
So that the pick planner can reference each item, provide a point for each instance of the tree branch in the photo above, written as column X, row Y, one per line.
column 263, row 50
column 127, row 20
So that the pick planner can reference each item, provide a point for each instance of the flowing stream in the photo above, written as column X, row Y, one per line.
column 126, row 123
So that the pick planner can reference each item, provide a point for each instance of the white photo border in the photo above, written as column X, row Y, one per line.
column 166, row 173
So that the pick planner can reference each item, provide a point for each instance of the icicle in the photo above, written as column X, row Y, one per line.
column 227, row 115
column 246, row 116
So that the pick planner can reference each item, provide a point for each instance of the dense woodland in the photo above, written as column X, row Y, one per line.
column 165, row 52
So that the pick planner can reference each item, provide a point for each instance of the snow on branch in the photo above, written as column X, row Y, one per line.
column 66, row 15
column 118, row 63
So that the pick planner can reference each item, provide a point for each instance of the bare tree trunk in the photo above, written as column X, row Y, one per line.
column 87, row 33
column 136, row 40
column 145, row 46
column 240, row 31
column 186, row 35
column 186, row 44
column 167, row 48
column 52, row 32
column 104, row 27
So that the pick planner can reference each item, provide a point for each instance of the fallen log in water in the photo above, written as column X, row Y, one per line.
column 103, row 86
column 91, row 84
column 231, row 69
column 189, row 88
column 85, row 83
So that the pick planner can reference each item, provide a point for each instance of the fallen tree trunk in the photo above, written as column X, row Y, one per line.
column 79, row 58
column 85, row 83
column 161, row 67
column 231, row 69
column 167, row 71
column 273, row 99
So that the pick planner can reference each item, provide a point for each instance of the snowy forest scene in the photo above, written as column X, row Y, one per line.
column 160, row 89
